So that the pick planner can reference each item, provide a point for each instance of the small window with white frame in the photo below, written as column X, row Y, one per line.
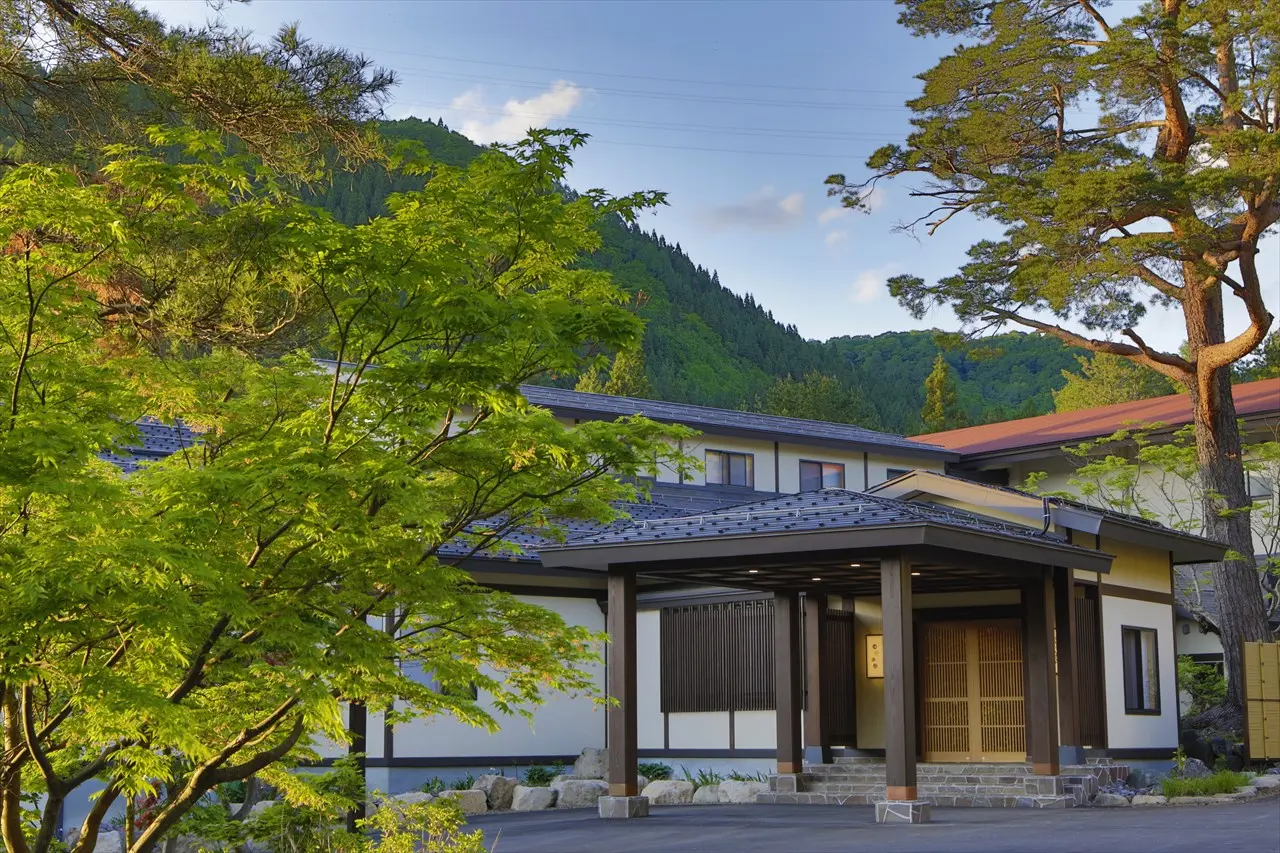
column 1260, row 485
column 725, row 468
column 1141, row 670
column 820, row 475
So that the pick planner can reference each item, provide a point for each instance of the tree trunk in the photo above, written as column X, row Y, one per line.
column 1241, row 614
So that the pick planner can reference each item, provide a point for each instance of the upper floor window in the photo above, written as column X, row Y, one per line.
column 895, row 473
column 1141, row 670
column 730, row 469
column 1259, row 486
column 821, row 475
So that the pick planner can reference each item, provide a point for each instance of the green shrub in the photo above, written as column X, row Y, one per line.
column 434, row 785
column 1203, row 682
column 540, row 777
column 465, row 783
column 739, row 776
column 1222, row 782
column 701, row 777
column 654, row 770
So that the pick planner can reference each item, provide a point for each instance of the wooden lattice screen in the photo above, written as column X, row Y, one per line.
column 974, row 709
column 1262, row 700
column 717, row 657
column 838, row 701
column 1091, row 696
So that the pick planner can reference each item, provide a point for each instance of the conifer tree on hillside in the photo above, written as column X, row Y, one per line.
column 627, row 377
column 941, row 406
column 1106, row 379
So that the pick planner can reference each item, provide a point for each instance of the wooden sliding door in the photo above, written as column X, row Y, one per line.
column 972, row 698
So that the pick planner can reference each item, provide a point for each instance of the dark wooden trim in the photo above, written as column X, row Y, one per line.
column 817, row 731
column 1173, row 635
column 666, row 730
column 975, row 613
column 358, row 726
column 1064, row 620
column 777, row 469
column 657, row 601
column 788, row 659
column 1041, row 699
column 733, row 734
column 708, row 753
column 622, row 718
column 866, row 471
column 1134, row 594
column 899, row 675
column 1143, row 753
column 545, row 591
column 431, row 761
column 1102, row 662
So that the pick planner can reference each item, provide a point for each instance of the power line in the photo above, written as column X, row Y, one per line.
column 671, row 96
column 639, row 124
column 554, row 70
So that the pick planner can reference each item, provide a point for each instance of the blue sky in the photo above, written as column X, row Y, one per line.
column 737, row 110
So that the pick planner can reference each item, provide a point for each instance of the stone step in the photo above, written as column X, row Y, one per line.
column 978, row 801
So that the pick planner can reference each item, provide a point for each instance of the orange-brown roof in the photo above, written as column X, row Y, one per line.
column 1254, row 399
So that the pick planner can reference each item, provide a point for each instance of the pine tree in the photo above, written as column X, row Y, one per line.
column 627, row 378
column 1106, row 379
column 941, row 407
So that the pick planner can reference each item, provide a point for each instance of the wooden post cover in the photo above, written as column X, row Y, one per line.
column 1064, row 620
column 788, row 680
column 817, row 734
column 622, row 684
column 899, row 680
column 1042, row 699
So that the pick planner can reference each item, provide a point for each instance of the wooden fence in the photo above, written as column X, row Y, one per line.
column 1262, row 700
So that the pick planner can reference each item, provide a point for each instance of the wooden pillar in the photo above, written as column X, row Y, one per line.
column 622, row 683
column 1064, row 619
column 788, row 680
column 899, row 679
column 1041, row 699
column 817, row 734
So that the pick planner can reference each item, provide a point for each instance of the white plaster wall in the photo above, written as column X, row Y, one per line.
column 708, row 730
column 563, row 725
column 755, row 730
column 1134, row 731
column 648, row 680
column 1196, row 641
column 878, row 466
column 868, row 692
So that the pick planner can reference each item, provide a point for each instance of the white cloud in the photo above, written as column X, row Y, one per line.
column 871, row 284
column 515, row 118
column 762, row 211
column 831, row 214
column 835, row 238
column 874, row 200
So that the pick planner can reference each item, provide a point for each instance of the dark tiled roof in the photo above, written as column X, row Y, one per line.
column 707, row 418
column 1193, row 589
column 1261, row 398
column 157, row 440
column 824, row 510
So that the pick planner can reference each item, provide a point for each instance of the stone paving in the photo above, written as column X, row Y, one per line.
column 1253, row 827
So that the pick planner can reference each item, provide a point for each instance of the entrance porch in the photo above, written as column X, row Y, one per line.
column 975, row 688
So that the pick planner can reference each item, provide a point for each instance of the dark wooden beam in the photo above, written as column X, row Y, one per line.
column 817, row 734
column 899, row 679
column 788, row 680
column 622, row 718
column 1064, row 618
column 1041, row 698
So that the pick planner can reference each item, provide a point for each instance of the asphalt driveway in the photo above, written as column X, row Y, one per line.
column 1252, row 827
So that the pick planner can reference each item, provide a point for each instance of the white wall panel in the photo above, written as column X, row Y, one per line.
column 1135, row 731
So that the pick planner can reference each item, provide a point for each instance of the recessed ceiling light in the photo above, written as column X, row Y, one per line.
column 855, row 565
column 817, row 579
column 915, row 574
column 753, row 571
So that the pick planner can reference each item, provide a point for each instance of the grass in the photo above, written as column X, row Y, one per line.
column 701, row 777
column 540, row 777
column 1222, row 782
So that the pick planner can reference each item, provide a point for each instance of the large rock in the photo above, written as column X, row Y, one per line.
column 532, row 799
column 1265, row 782
column 497, row 789
column 668, row 792
column 592, row 763
column 709, row 794
column 471, row 801
column 109, row 842
column 732, row 791
column 1106, row 800
column 408, row 798
column 1140, row 779
column 1194, row 768
column 260, row 807
column 579, row 793
column 1148, row 800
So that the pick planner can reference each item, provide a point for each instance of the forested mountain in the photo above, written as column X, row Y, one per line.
column 705, row 344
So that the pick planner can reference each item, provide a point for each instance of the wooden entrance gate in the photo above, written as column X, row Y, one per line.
column 973, row 697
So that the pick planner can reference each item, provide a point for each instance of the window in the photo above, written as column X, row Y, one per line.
column 730, row 469
column 717, row 657
column 1259, row 486
column 895, row 473
column 821, row 475
column 1141, row 671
